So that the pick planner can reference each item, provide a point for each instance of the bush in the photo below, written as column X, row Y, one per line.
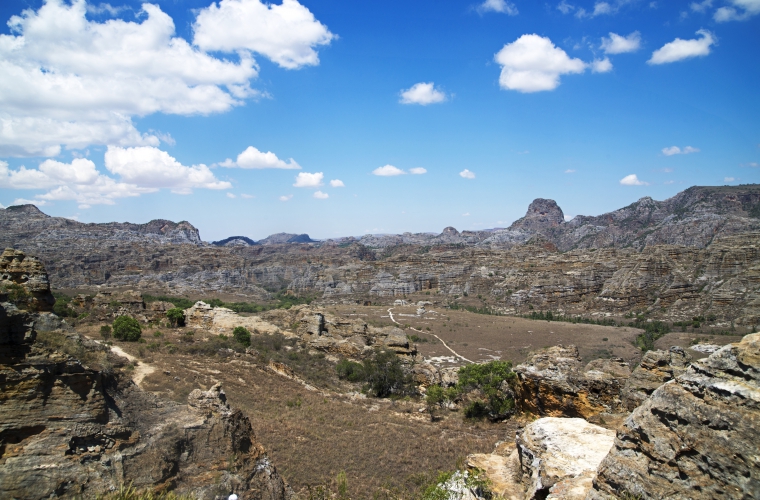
column 126, row 328
column 492, row 380
column 242, row 335
column 61, row 307
column 105, row 332
column 385, row 376
column 176, row 316
column 350, row 370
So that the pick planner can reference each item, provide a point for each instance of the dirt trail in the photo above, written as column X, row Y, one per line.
column 141, row 371
column 434, row 335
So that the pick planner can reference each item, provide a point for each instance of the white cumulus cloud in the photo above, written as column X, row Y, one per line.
column 320, row 195
column 740, row 11
column 286, row 33
column 417, row 171
column 388, row 171
column 501, row 6
column 337, row 183
column 467, row 174
column 307, row 180
column 232, row 196
column 570, row 171
column 679, row 49
column 632, row 180
column 729, row 179
column 533, row 63
column 252, row 158
column 422, row 93
column 150, row 167
column 701, row 6
column 285, row 197
column 601, row 65
column 675, row 150
column 617, row 44
column 66, row 80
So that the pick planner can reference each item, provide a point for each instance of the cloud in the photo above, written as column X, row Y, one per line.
column 247, row 196
column 568, row 217
column 66, row 80
column 728, row 179
column 701, row 6
column 741, row 11
column 417, row 171
column 466, row 214
column 501, row 6
column 230, row 195
column 532, row 64
column 678, row 49
column 423, row 94
column 307, row 180
column 286, row 34
column 565, row 7
column 601, row 65
column 675, row 150
column 388, row 171
column 752, row 164
column 320, row 195
column 252, row 158
column 337, row 183
column 467, row 174
column 632, row 180
column 285, row 197
column 617, row 44
column 24, row 201
column 570, row 171
column 150, row 167
column 601, row 8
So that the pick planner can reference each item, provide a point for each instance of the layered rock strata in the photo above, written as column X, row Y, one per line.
column 554, row 382
column 695, row 437
column 655, row 368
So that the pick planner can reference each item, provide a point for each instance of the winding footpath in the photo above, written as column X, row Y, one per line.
column 434, row 335
column 141, row 370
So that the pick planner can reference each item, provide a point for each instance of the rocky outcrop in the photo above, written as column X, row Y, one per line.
column 695, row 437
column 542, row 214
column 656, row 368
column 559, row 456
column 24, row 281
column 71, row 431
column 553, row 382
column 218, row 320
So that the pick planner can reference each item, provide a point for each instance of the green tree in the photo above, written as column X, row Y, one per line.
column 105, row 332
column 126, row 328
column 242, row 335
column 350, row 370
column 385, row 375
column 176, row 316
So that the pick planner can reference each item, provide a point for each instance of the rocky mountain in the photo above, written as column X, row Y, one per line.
column 693, row 255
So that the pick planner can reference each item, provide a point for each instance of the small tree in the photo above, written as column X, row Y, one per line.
column 105, row 332
column 242, row 335
column 126, row 328
column 492, row 379
column 176, row 316
column 350, row 370
column 385, row 375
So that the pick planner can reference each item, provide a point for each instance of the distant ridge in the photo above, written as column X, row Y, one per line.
column 280, row 238
column 234, row 241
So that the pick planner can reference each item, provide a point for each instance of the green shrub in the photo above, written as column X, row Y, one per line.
column 384, row 375
column 350, row 370
column 105, row 332
column 176, row 316
column 492, row 380
column 61, row 307
column 126, row 328
column 242, row 335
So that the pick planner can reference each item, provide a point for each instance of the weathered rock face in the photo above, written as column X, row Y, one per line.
column 69, row 431
column 542, row 214
column 553, row 382
column 24, row 281
column 559, row 456
column 656, row 368
column 695, row 437
column 222, row 320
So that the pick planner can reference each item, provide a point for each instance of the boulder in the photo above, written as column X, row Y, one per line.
column 561, row 455
column 553, row 382
column 656, row 368
column 695, row 437
column 222, row 320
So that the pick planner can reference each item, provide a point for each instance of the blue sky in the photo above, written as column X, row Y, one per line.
column 225, row 114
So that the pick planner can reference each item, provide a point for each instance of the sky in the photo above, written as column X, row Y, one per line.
column 341, row 118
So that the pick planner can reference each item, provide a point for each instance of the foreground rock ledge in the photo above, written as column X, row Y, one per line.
column 696, row 437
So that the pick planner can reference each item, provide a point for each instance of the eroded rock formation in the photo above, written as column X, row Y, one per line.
column 695, row 437
column 553, row 382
